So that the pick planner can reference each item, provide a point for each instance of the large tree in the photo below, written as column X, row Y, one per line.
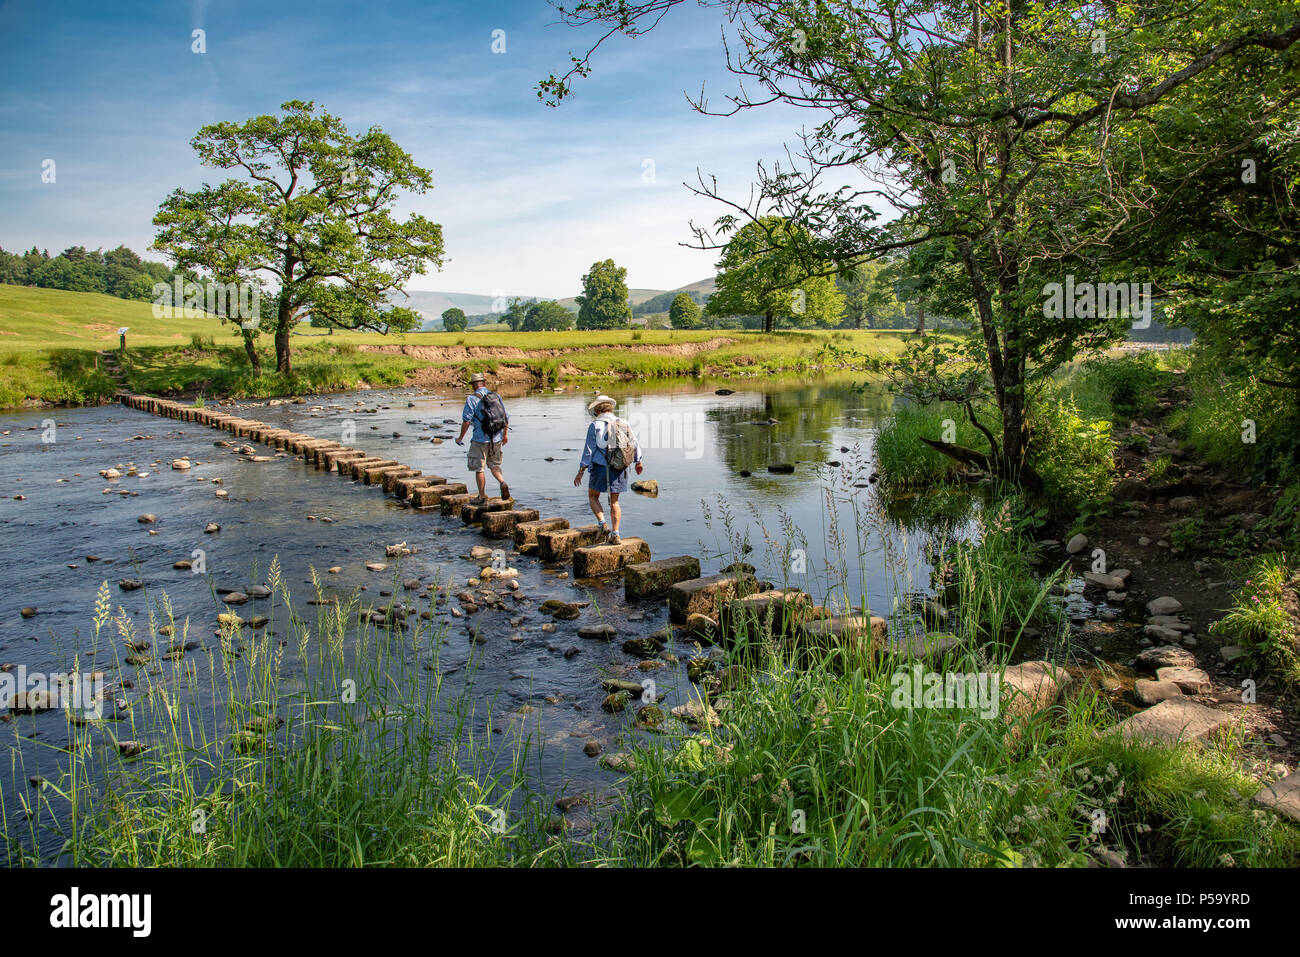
column 309, row 215
column 454, row 319
column 547, row 316
column 603, row 303
column 764, row 272
column 1020, row 133
column 684, row 313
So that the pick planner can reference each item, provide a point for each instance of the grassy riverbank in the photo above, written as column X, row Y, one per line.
column 355, row 755
column 50, row 341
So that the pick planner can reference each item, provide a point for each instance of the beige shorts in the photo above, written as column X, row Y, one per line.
column 480, row 452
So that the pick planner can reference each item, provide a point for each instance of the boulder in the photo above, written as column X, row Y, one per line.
column 1171, row 721
column 1147, row 692
column 1282, row 796
column 1164, row 605
column 1077, row 544
column 1165, row 656
column 1031, row 687
column 648, row 487
column 1189, row 680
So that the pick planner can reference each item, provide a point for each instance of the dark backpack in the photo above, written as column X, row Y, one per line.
column 492, row 415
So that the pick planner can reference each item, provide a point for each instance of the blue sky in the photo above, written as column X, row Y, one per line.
column 528, row 196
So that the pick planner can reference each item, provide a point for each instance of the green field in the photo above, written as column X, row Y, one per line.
column 50, row 341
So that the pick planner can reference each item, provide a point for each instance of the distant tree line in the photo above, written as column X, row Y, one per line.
column 118, row 272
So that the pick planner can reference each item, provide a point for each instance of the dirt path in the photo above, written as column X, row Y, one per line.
column 1140, row 536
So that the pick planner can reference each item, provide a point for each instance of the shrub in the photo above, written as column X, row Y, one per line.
column 1129, row 382
column 1073, row 453
column 904, row 459
column 1261, row 621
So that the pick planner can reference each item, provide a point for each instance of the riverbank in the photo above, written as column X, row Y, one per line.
column 60, row 348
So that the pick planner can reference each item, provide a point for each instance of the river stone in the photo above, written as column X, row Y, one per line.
column 130, row 584
column 1183, row 503
column 1077, row 544
column 603, row 632
column 148, row 518
column 211, row 528
column 1161, row 633
column 1165, row 656
column 648, row 487
column 32, row 701
column 591, row 749
column 1147, row 692
column 614, row 685
column 235, row 598
column 780, row 468
column 1171, row 721
column 857, row 636
column 1282, row 796
column 1110, row 582
column 1230, row 653
column 1164, row 605
column 1169, row 621
column 1189, row 680
column 28, row 612
column 696, row 712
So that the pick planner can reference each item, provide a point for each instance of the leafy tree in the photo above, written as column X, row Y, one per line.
column 453, row 320
column 310, row 212
column 763, row 271
column 547, row 316
column 603, row 303
column 1019, row 133
column 870, row 301
column 516, row 314
column 684, row 313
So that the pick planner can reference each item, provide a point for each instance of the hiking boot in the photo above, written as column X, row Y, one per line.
column 505, row 491
column 603, row 526
column 478, row 500
column 614, row 539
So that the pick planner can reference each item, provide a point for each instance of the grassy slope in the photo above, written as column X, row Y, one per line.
column 49, row 340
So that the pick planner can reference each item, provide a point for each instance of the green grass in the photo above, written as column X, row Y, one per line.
column 48, row 339
column 903, row 459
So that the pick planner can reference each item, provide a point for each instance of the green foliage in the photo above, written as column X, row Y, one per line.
column 547, row 317
column 1260, row 620
column 901, row 456
column 603, row 303
column 118, row 272
column 1129, row 382
column 324, row 233
column 870, row 298
column 453, row 320
column 764, row 271
column 684, row 313
column 1073, row 453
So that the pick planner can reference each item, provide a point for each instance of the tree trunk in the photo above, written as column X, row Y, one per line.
column 768, row 324
column 253, row 359
column 920, row 319
column 283, row 323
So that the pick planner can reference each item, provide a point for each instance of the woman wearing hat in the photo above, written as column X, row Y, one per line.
column 603, row 478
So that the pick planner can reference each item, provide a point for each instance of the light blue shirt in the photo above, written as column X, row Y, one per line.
column 593, row 452
column 472, row 403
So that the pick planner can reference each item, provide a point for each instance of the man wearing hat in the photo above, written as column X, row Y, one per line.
column 602, row 437
column 486, row 413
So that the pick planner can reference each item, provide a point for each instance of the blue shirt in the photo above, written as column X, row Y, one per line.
column 472, row 403
column 593, row 452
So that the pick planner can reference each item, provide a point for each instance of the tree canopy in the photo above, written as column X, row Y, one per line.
column 309, row 215
column 603, row 303
column 454, row 320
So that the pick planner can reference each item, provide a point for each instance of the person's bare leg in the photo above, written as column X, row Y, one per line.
column 501, row 480
column 615, row 512
column 593, row 499
column 481, row 478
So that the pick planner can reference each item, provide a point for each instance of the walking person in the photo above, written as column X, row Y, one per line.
column 610, row 451
column 486, row 413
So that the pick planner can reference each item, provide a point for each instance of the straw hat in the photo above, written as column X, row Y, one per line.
column 477, row 377
column 600, row 399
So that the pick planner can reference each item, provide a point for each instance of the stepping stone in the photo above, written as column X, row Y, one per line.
column 427, row 496
column 925, row 647
column 1172, row 721
column 390, row 479
column 559, row 545
column 451, row 504
column 526, row 532
column 472, row 514
column 374, row 474
column 502, row 524
column 592, row 561
column 764, row 615
column 1165, row 605
column 404, row 488
column 1282, row 796
column 854, row 635
column 650, row 579
column 703, row 595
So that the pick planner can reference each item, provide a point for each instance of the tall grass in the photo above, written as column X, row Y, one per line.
column 904, row 459
column 348, row 753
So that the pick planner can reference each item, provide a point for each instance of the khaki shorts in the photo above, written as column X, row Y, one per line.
column 479, row 452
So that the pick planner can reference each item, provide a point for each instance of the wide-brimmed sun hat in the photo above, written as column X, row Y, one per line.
column 599, row 400
column 477, row 377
